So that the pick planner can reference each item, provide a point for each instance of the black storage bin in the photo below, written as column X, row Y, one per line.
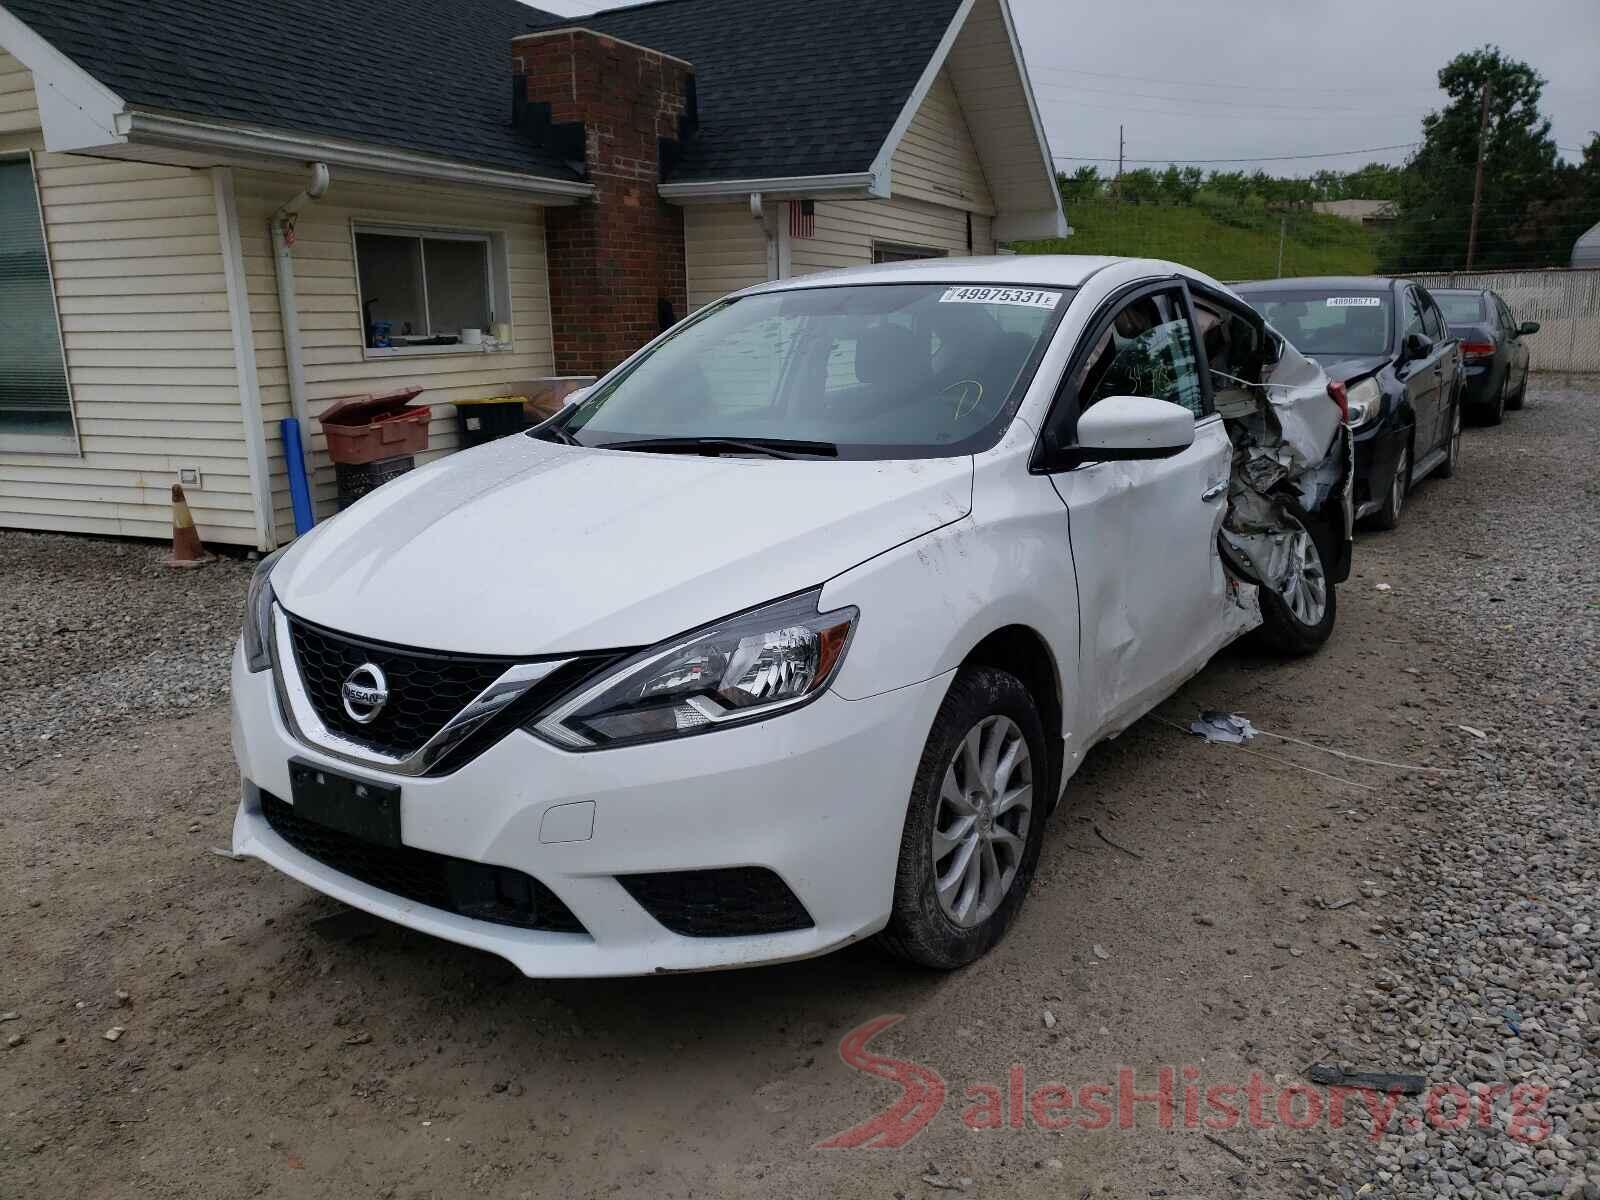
column 480, row 421
column 357, row 479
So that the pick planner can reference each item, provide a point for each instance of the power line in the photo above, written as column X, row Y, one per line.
column 1074, row 104
column 1251, row 87
column 1246, row 105
column 1253, row 158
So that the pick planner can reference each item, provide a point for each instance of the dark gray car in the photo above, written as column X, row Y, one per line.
column 1387, row 342
column 1493, row 353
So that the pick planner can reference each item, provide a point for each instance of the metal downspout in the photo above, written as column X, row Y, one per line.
column 281, row 226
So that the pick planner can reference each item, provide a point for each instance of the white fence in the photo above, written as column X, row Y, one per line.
column 1565, row 302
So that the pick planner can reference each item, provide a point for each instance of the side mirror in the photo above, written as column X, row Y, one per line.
column 1417, row 345
column 1125, row 428
column 1527, row 327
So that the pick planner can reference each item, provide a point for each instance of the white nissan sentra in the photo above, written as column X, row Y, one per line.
column 791, row 631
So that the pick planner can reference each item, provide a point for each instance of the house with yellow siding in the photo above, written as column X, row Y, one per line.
column 217, row 219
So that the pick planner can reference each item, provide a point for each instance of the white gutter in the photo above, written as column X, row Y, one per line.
column 865, row 184
column 281, row 226
column 244, row 356
column 239, row 142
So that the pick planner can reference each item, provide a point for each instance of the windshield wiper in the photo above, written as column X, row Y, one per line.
column 553, row 428
column 713, row 446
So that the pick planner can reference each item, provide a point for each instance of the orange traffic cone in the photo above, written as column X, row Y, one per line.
column 186, row 548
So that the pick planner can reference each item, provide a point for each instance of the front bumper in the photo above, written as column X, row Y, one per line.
column 817, row 796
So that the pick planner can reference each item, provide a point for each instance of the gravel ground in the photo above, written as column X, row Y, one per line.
column 1249, row 911
column 95, row 635
column 1500, row 920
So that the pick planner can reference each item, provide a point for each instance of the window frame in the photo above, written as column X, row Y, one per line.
column 1058, row 432
column 904, row 252
column 61, row 444
column 497, row 263
column 1508, row 319
column 1241, row 310
column 1410, row 296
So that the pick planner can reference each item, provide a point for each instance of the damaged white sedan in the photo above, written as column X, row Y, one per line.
column 793, row 630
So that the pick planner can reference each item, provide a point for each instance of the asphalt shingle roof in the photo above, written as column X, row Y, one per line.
column 788, row 87
column 785, row 87
column 421, row 75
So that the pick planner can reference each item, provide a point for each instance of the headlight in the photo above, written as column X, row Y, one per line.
column 258, row 614
column 1365, row 400
column 740, row 669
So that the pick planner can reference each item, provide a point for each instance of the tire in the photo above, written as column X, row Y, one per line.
column 924, row 928
column 1496, row 412
column 1394, row 501
column 1301, row 620
column 1452, row 449
column 1516, row 402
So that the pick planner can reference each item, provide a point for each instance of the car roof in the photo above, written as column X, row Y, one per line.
column 1460, row 292
column 1023, row 270
column 1356, row 284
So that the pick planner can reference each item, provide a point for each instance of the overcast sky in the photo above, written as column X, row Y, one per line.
column 1252, row 79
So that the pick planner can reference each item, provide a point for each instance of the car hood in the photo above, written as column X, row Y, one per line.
column 1343, row 367
column 525, row 547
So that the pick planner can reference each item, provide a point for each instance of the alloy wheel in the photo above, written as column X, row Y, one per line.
column 1306, row 592
column 1397, row 486
column 981, row 826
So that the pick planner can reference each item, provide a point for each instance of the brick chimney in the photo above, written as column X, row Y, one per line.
column 616, row 264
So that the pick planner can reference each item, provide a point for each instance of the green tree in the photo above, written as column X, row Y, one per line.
column 1142, row 186
column 1179, row 184
column 1082, row 184
column 1434, row 209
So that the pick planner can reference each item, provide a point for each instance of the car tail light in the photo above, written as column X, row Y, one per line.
column 1337, row 394
column 1477, row 349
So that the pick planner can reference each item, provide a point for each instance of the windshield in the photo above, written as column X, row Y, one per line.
column 1328, row 324
column 1460, row 308
column 878, row 371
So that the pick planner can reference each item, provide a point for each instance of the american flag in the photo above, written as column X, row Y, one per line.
column 802, row 218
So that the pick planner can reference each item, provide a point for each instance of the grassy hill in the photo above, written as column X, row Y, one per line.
column 1228, row 242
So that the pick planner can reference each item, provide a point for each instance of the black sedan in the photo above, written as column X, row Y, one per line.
column 1496, row 375
column 1387, row 342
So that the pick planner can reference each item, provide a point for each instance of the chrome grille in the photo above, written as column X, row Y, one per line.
column 426, row 689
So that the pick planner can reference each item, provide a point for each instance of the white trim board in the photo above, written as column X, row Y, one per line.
column 244, row 356
column 881, row 166
column 75, row 108
column 1064, row 229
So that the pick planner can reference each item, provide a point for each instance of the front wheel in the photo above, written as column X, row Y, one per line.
column 1394, row 500
column 1298, row 611
column 974, row 825
column 1452, row 448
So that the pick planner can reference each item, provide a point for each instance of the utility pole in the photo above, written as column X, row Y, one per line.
column 1283, row 232
column 1120, row 145
column 1477, row 183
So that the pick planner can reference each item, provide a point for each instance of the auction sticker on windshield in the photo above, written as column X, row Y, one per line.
column 1354, row 302
column 1026, row 297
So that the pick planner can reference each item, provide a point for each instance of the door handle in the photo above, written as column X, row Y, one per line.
column 1215, row 490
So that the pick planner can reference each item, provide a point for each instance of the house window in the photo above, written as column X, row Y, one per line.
column 35, row 403
column 887, row 252
column 430, row 289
